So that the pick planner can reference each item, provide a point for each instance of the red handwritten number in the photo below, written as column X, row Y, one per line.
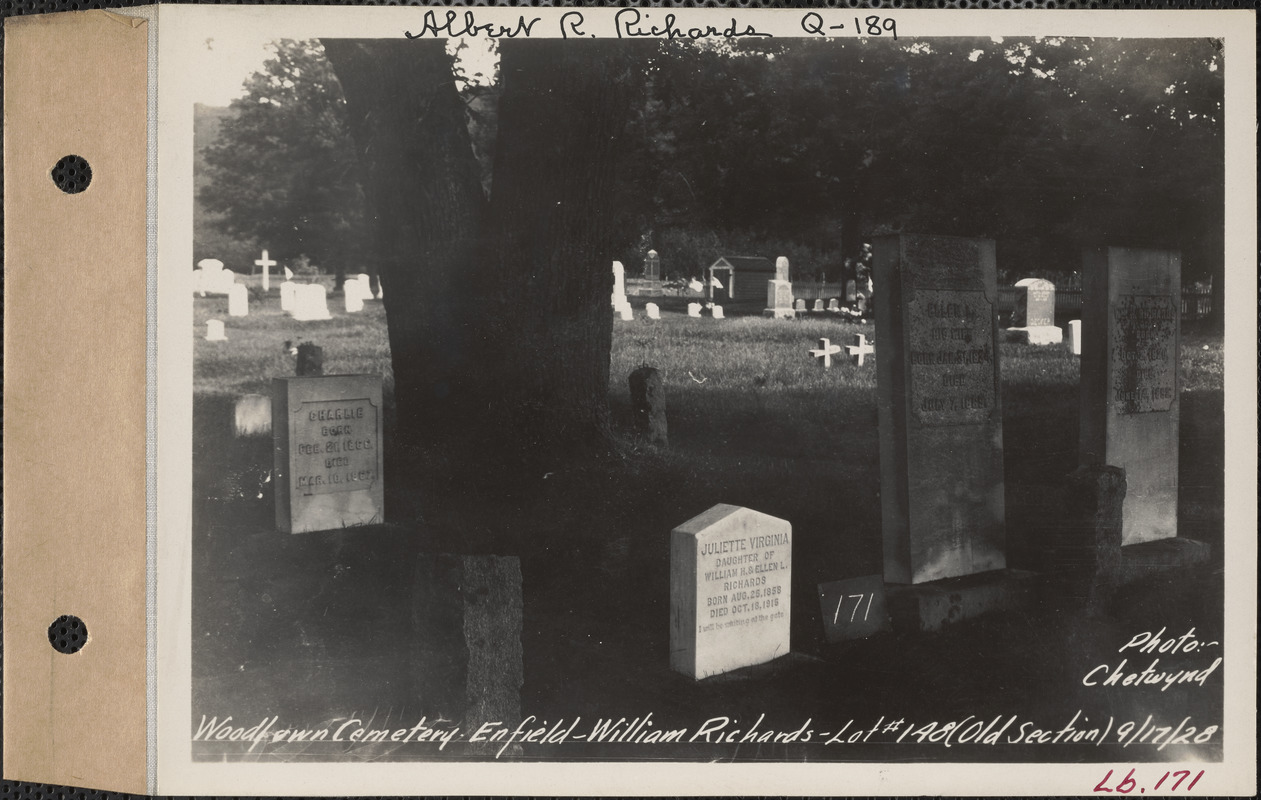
column 1123, row 789
column 1195, row 780
column 1162, row 780
column 1099, row 787
column 1184, row 773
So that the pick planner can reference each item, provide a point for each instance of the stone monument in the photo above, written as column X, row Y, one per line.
column 1033, row 321
column 730, row 591
column 779, row 293
column 940, row 417
column 326, row 434
column 1131, row 304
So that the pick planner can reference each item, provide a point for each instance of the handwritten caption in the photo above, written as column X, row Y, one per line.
column 631, row 23
column 645, row 730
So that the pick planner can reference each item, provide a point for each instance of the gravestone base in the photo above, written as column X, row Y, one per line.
column 933, row 605
column 779, row 313
column 1139, row 561
column 1036, row 335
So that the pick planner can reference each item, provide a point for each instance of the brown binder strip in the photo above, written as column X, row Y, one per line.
column 74, row 394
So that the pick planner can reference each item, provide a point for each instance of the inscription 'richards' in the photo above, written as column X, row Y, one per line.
column 951, row 356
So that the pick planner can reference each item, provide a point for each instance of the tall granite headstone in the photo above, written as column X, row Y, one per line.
column 1129, row 381
column 779, row 293
column 1033, row 320
column 941, row 434
column 326, row 433
column 730, row 591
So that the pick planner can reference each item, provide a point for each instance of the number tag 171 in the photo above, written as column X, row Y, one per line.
column 854, row 608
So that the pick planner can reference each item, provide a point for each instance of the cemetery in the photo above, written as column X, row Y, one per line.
column 753, row 420
column 755, row 458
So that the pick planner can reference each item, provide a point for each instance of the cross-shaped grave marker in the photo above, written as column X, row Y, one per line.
column 825, row 351
column 859, row 348
column 266, row 263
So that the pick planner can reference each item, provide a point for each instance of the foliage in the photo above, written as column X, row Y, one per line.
column 282, row 170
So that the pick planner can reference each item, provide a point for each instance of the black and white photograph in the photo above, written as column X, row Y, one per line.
column 662, row 389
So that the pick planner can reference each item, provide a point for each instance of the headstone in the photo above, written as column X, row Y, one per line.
column 238, row 301
column 825, row 351
column 352, row 294
column 779, row 300
column 310, row 360
column 782, row 269
column 310, row 302
column 818, row 305
column 854, row 608
column 327, row 438
column 648, row 405
column 252, row 415
column 621, row 306
column 1033, row 321
column 730, row 591
column 799, row 306
column 1074, row 336
column 652, row 310
column 859, row 349
column 1129, row 381
column 467, row 612
column 266, row 263
column 287, row 292
column 716, row 311
column 214, row 331
column 652, row 272
column 834, row 305
column 626, row 313
column 693, row 309
column 288, row 274
column 941, row 452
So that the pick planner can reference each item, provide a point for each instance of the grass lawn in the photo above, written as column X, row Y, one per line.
column 313, row 626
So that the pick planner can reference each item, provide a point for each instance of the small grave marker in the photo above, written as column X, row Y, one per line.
column 266, row 263
column 730, row 591
column 214, row 331
column 693, row 309
column 652, row 310
column 717, row 312
column 818, row 305
column 353, row 293
column 854, row 608
column 252, row 415
column 327, row 442
column 1074, row 336
column 834, row 305
column 825, row 351
column 859, row 349
column 799, row 306
column 238, row 301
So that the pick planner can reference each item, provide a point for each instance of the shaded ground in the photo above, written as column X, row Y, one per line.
column 315, row 627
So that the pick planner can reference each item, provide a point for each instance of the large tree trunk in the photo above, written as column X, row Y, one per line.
column 499, row 315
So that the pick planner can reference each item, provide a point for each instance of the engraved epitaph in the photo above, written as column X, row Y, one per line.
column 941, row 455
column 328, row 460
column 730, row 591
column 1129, row 383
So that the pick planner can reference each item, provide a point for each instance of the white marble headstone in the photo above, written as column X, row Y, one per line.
column 653, row 311
column 238, row 301
column 693, row 309
column 730, row 591
column 214, row 331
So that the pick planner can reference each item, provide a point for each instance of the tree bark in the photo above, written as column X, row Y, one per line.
column 421, row 183
column 499, row 314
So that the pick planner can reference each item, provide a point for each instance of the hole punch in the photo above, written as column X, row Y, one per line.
column 72, row 174
column 68, row 634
